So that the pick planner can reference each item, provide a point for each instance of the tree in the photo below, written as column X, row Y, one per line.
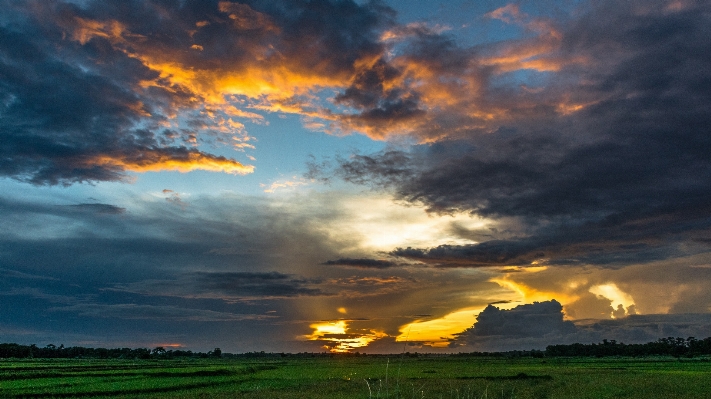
column 158, row 352
column 215, row 353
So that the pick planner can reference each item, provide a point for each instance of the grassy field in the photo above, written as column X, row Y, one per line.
column 359, row 377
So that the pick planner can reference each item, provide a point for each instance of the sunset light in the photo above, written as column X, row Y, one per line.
column 341, row 176
column 438, row 333
column 337, row 337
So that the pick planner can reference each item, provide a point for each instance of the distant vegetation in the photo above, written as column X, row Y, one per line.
column 61, row 352
column 678, row 347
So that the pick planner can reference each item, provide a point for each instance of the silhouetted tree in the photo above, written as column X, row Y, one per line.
column 158, row 352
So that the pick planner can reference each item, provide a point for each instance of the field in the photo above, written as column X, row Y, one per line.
column 359, row 377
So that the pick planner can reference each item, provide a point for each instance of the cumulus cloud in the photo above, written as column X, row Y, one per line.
column 537, row 325
column 539, row 321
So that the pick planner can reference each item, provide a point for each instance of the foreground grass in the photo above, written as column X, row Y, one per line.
column 361, row 377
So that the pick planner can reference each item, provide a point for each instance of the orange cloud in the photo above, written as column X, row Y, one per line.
column 245, row 18
column 272, row 83
column 86, row 29
column 528, row 294
column 401, row 93
column 538, row 53
column 185, row 162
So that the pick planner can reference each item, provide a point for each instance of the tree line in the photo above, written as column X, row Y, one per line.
column 61, row 352
column 678, row 347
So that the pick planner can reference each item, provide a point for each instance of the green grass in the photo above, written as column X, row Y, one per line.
column 359, row 377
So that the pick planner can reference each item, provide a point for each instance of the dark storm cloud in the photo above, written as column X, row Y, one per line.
column 251, row 285
column 156, row 270
column 405, row 90
column 363, row 263
column 369, row 286
column 86, row 90
column 614, row 242
column 61, row 240
column 537, row 325
column 70, row 113
column 485, row 254
column 265, row 286
column 151, row 312
column 533, row 320
column 324, row 36
column 617, row 173
column 376, row 104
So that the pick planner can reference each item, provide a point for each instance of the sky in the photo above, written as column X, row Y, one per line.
column 338, row 175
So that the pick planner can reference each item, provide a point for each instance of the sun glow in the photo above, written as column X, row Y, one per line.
column 384, row 224
column 618, row 297
column 529, row 294
column 438, row 332
column 338, row 338
column 169, row 345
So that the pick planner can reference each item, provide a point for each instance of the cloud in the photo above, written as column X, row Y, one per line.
column 238, row 255
column 536, row 325
column 131, row 311
column 117, row 275
column 534, row 320
column 596, row 292
column 645, row 328
column 91, row 91
column 106, row 209
column 139, row 88
column 489, row 253
column 369, row 286
column 603, row 163
column 250, row 285
column 174, row 198
column 284, row 184
column 74, row 111
column 363, row 263
column 15, row 274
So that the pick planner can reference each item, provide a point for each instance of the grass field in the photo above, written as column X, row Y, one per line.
column 359, row 377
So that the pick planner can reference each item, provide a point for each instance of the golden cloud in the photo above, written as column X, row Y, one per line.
column 160, row 161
